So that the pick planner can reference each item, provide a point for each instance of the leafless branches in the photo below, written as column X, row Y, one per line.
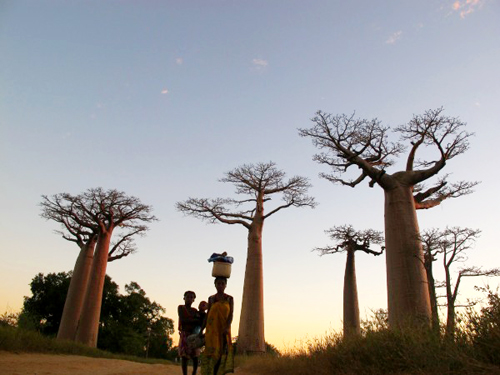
column 433, row 196
column 433, row 129
column 83, row 216
column 259, row 181
column 452, row 244
column 216, row 210
column 348, row 239
column 346, row 142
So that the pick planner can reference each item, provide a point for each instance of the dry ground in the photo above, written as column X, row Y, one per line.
column 48, row 364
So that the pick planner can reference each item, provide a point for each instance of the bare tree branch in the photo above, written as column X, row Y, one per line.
column 435, row 195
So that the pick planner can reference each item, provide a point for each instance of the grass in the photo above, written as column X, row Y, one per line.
column 380, row 351
column 374, row 353
column 24, row 341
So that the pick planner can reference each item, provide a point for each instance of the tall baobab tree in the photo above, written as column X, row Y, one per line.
column 90, row 219
column 348, row 142
column 349, row 240
column 258, row 182
column 59, row 209
column 452, row 245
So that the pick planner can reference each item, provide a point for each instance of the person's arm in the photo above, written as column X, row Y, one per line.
column 180, row 313
column 230, row 317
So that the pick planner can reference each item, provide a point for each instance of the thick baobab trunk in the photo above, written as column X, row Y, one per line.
column 407, row 290
column 76, row 292
column 251, row 329
column 351, row 306
column 88, row 326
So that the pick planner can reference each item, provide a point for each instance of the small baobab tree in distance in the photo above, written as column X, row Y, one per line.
column 348, row 142
column 89, row 220
column 452, row 245
column 430, row 242
column 349, row 240
column 258, row 182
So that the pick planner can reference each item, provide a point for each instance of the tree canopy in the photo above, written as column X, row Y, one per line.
column 130, row 323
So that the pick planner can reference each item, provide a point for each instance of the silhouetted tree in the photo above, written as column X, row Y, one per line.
column 349, row 240
column 453, row 245
column 44, row 308
column 259, row 182
column 95, row 214
column 135, row 325
column 363, row 144
column 430, row 242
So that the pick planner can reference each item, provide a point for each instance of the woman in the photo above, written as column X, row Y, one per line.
column 188, row 320
column 217, row 358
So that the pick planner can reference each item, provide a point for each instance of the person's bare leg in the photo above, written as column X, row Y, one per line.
column 184, row 365
column 195, row 365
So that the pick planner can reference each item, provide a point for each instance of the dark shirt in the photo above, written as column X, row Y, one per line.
column 189, row 318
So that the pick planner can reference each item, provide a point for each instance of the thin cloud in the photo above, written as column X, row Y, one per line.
column 164, row 91
column 179, row 60
column 259, row 64
column 394, row 37
column 466, row 7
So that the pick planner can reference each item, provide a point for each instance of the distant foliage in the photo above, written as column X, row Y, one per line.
column 130, row 323
column 135, row 325
column 377, row 322
column 43, row 310
column 9, row 319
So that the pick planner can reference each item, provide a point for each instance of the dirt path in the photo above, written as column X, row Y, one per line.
column 48, row 364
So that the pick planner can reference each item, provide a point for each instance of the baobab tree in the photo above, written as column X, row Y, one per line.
column 430, row 242
column 59, row 209
column 348, row 142
column 258, row 182
column 452, row 244
column 349, row 240
column 90, row 219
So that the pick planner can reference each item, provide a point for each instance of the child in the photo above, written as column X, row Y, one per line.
column 202, row 313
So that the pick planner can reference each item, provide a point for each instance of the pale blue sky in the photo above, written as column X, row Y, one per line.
column 159, row 98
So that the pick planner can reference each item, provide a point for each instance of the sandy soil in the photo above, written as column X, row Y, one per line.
column 45, row 364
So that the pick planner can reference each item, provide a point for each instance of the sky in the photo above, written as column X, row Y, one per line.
column 159, row 99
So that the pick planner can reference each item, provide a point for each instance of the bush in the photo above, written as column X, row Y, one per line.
column 482, row 329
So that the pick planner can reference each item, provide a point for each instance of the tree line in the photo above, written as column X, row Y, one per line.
column 345, row 143
column 130, row 323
